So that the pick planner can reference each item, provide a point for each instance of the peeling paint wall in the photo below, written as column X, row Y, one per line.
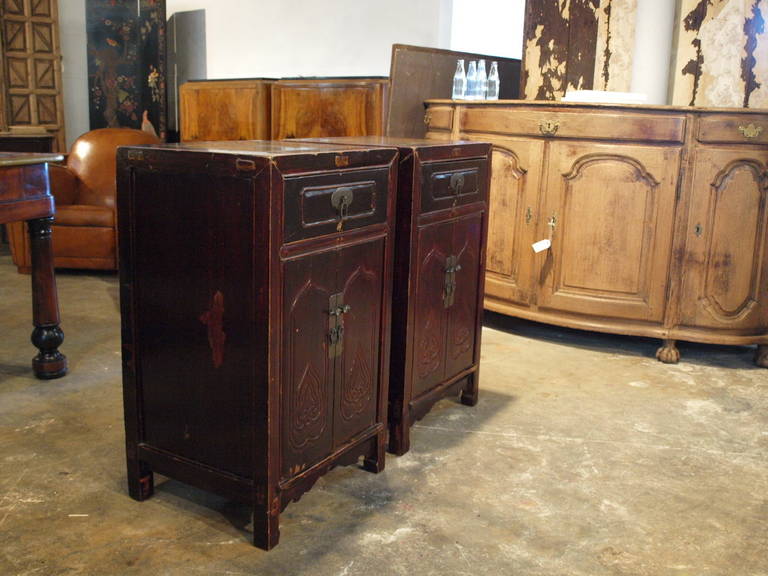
column 722, row 54
column 577, row 44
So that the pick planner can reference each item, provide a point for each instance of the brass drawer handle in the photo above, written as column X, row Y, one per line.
column 549, row 127
column 427, row 119
column 341, row 199
column 750, row 130
column 528, row 215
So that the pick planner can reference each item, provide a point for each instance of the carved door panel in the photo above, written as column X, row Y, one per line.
column 609, row 212
column 462, row 313
column 726, row 261
column 357, row 363
column 512, row 217
column 430, row 319
column 307, row 368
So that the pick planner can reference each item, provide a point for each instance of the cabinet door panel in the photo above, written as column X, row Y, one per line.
column 357, row 368
column 462, row 315
column 611, row 214
column 512, row 216
column 430, row 320
column 725, row 276
column 307, row 389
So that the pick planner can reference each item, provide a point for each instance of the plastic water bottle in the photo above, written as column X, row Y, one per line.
column 482, row 81
column 493, row 82
column 471, row 81
column 459, row 81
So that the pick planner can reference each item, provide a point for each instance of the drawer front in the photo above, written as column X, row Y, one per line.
column 454, row 183
column 734, row 128
column 320, row 204
column 582, row 123
column 439, row 118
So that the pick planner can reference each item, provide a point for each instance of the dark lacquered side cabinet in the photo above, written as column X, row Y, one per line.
column 442, row 222
column 255, row 294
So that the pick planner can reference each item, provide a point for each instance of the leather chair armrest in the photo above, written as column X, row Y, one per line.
column 63, row 184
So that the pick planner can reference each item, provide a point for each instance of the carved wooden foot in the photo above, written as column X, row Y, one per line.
column 141, row 483
column 399, row 438
column 469, row 392
column 374, row 461
column 668, row 353
column 266, row 526
column 761, row 356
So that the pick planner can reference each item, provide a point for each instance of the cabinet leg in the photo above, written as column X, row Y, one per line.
column 141, row 483
column 469, row 394
column 47, row 336
column 374, row 461
column 399, row 437
column 668, row 353
column 761, row 356
column 266, row 525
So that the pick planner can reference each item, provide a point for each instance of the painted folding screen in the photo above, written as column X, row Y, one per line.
column 126, row 64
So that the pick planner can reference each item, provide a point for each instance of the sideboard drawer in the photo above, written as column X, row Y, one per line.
column 454, row 183
column 319, row 204
column 439, row 118
column 583, row 123
column 734, row 128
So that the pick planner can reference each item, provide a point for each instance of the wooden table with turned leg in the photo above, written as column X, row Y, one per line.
column 25, row 196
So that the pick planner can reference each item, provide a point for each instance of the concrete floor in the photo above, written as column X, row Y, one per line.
column 585, row 456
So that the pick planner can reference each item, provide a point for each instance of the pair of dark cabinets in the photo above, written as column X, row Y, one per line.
column 284, row 304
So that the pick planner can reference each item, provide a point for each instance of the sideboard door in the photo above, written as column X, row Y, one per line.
column 725, row 281
column 307, row 390
column 609, row 211
column 516, row 169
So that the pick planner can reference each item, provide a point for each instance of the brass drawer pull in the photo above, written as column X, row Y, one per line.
column 528, row 215
column 549, row 127
column 341, row 199
column 750, row 130
column 427, row 119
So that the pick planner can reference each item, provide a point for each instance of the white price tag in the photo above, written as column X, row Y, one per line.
column 541, row 245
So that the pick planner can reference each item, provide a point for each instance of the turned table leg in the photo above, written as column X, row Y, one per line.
column 47, row 336
column 761, row 356
column 668, row 353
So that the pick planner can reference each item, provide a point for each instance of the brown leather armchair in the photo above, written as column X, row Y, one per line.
column 85, row 225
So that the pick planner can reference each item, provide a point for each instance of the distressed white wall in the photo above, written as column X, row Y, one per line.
column 492, row 27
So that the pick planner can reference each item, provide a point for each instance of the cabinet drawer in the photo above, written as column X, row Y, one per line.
column 316, row 204
column 454, row 183
column 439, row 118
column 734, row 128
column 580, row 123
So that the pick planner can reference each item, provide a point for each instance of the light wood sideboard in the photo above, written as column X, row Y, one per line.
column 657, row 217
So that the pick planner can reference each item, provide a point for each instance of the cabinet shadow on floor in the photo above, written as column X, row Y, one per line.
column 708, row 355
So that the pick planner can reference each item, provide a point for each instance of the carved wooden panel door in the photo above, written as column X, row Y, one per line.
column 331, row 331
column 726, row 265
column 516, row 169
column 307, row 368
column 431, row 322
column 609, row 211
column 446, row 301
column 462, row 313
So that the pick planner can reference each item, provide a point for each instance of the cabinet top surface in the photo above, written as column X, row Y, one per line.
column 595, row 105
column 390, row 141
column 259, row 148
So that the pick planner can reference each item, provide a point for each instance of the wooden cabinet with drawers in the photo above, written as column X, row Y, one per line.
column 442, row 220
column 656, row 217
column 255, row 292
column 269, row 109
